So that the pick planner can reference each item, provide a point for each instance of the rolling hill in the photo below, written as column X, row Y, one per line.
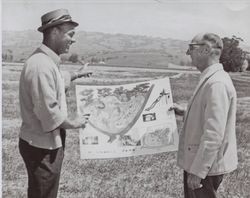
column 118, row 49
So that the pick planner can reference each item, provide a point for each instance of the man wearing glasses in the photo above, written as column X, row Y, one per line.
column 207, row 146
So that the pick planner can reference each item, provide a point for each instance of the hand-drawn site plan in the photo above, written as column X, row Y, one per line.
column 127, row 120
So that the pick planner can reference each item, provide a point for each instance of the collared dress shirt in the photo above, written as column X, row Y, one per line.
column 42, row 99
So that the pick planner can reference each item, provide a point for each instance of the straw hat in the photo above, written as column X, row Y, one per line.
column 54, row 18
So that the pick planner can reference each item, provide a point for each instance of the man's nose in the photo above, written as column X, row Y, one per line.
column 188, row 52
column 72, row 41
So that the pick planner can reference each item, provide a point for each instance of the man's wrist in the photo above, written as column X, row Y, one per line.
column 76, row 75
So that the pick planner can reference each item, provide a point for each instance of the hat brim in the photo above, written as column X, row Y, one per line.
column 46, row 26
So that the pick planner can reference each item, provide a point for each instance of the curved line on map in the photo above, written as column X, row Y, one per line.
column 129, row 126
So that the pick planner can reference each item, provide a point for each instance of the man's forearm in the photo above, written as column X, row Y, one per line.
column 73, row 76
column 69, row 124
column 78, row 122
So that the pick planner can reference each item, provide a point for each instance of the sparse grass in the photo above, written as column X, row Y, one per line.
column 149, row 176
column 184, row 86
column 243, row 88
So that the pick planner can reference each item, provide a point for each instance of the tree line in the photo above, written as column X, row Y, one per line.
column 233, row 58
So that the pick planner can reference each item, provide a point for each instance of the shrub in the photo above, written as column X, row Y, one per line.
column 232, row 56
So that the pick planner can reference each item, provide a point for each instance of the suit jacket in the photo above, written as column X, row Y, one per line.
column 207, row 143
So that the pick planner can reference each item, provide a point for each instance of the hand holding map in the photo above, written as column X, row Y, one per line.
column 83, row 71
column 82, row 121
column 178, row 109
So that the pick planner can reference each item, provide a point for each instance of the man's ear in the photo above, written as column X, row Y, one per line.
column 216, row 52
column 206, row 50
column 54, row 32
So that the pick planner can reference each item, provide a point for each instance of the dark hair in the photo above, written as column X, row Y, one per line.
column 47, row 31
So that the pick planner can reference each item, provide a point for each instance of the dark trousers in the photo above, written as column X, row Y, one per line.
column 43, row 167
column 208, row 190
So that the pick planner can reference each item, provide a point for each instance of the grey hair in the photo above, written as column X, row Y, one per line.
column 213, row 40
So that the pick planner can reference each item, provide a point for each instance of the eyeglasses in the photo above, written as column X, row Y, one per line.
column 191, row 45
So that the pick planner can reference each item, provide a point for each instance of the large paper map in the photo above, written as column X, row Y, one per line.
column 127, row 120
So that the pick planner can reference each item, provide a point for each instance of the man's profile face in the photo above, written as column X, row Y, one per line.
column 194, row 50
column 65, row 39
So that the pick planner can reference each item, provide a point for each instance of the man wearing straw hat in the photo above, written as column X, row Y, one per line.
column 43, row 106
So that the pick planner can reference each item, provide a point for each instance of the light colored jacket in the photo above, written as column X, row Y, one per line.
column 42, row 99
column 207, row 144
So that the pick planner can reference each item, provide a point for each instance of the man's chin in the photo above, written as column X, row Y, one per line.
column 65, row 51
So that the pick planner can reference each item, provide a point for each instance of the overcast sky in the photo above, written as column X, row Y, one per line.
column 177, row 19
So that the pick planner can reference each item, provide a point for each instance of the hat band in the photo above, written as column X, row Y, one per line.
column 60, row 18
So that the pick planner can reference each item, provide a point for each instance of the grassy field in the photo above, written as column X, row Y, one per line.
column 149, row 176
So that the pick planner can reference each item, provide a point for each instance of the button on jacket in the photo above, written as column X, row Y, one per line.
column 207, row 143
column 42, row 99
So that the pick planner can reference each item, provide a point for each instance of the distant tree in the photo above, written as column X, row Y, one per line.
column 22, row 60
column 94, row 60
column 232, row 56
column 73, row 58
column 10, row 57
column 248, row 60
column 4, row 55
column 248, row 69
column 7, row 56
column 83, row 58
column 182, row 63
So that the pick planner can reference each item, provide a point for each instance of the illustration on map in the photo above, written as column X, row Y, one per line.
column 127, row 120
column 158, row 136
column 114, row 112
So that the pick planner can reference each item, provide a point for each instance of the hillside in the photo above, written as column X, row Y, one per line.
column 119, row 49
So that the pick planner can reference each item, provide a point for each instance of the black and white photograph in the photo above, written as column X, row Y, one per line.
column 86, row 85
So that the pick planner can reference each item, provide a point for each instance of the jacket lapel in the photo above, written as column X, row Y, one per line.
column 199, row 86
